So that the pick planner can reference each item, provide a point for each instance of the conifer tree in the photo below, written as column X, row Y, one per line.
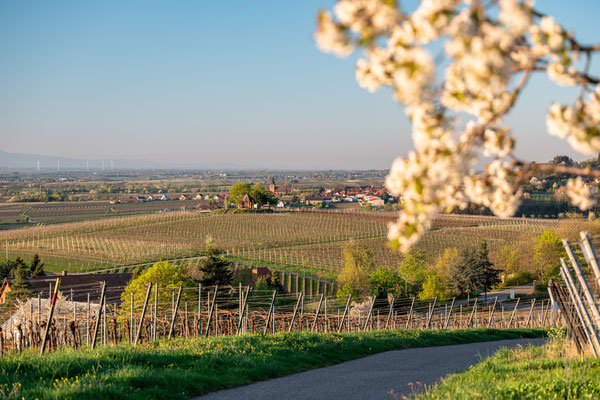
column 215, row 269
column 37, row 266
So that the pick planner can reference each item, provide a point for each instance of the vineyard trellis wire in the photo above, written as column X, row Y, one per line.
column 203, row 311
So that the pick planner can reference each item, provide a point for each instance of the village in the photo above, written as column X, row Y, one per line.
column 346, row 197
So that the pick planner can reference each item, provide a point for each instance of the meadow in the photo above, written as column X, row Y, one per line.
column 546, row 372
column 307, row 242
column 179, row 369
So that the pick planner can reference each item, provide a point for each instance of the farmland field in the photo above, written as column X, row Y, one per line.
column 309, row 242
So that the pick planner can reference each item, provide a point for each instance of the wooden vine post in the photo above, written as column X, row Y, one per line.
column 141, row 325
column 52, row 306
column 346, row 312
column 175, row 312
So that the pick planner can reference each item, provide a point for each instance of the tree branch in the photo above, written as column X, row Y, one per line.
column 559, row 169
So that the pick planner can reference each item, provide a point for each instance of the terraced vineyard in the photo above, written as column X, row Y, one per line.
column 305, row 242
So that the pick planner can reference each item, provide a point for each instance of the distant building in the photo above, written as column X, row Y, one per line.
column 279, row 190
column 247, row 202
column 313, row 200
column 164, row 197
column 206, row 207
column 374, row 201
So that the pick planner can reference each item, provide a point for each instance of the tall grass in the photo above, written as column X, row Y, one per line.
column 179, row 369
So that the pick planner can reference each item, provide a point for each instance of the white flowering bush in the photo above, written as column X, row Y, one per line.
column 491, row 49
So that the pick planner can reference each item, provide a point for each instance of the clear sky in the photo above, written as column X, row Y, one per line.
column 213, row 82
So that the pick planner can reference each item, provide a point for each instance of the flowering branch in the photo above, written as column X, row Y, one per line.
column 486, row 48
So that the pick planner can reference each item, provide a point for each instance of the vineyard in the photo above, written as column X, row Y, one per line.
column 302, row 242
column 155, row 312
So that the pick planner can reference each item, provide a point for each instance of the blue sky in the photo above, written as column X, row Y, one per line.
column 213, row 83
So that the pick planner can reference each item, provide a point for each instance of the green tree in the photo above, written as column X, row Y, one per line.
column 270, row 282
column 238, row 191
column 167, row 275
column 413, row 269
column 37, row 266
column 215, row 269
column 343, row 292
column 20, row 288
column 262, row 196
column 386, row 281
column 465, row 274
column 7, row 269
column 548, row 250
column 510, row 259
column 473, row 271
column 433, row 287
column 490, row 275
column 444, row 262
column 358, row 261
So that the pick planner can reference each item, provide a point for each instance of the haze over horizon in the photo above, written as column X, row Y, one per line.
column 208, row 83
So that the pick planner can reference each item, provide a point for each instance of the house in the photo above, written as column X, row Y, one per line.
column 164, row 197
column 80, row 284
column 199, row 197
column 206, row 207
column 313, row 200
column 141, row 199
column 279, row 190
column 247, row 202
column 374, row 201
column 150, row 198
column 183, row 197
column 281, row 204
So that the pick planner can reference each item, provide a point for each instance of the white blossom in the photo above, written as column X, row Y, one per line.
column 579, row 125
column 564, row 76
column 487, row 46
column 515, row 15
column 369, row 17
column 580, row 194
column 332, row 38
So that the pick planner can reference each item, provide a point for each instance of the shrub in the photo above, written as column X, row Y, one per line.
column 385, row 281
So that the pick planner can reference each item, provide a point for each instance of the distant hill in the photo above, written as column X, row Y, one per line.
column 19, row 161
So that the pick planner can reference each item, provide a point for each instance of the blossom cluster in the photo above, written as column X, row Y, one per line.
column 456, row 114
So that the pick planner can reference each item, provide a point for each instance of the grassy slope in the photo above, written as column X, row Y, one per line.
column 525, row 373
column 179, row 369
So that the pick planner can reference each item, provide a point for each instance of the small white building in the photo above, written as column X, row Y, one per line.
column 374, row 201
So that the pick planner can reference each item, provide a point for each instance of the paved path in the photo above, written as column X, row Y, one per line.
column 371, row 377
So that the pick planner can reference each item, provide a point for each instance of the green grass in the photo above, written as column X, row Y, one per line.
column 179, row 369
column 546, row 372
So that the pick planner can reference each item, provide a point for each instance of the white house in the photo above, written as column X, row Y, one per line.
column 164, row 197
column 374, row 201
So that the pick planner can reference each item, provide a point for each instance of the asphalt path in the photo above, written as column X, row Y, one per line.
column 386, row 376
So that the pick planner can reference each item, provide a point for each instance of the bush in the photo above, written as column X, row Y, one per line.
column 385, row 281
column 541, row 287
column 344, row 291
column 520, row 278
